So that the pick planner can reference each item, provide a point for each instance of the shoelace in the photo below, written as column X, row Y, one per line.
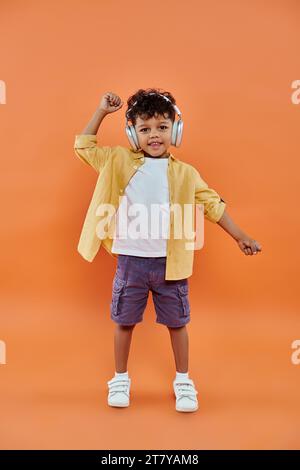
column 185, row 390
column 118, row 385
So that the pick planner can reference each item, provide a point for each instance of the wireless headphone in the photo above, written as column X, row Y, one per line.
column 177, row 128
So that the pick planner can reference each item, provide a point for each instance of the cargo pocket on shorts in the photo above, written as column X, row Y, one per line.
column 118, row 287
column 183, row 291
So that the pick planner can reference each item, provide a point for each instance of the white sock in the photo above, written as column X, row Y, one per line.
column 123, row 375
column 181, row 375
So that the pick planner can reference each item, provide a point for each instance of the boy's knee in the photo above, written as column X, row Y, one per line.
column 126, row 327
column 172, row 328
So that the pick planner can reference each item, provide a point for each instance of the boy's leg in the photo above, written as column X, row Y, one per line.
column 183, row 386
column 180, row 345
column 122, row 342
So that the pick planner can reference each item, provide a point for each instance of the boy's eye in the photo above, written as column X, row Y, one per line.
column 162, row 126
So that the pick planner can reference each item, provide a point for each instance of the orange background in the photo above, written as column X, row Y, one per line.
column 230, row 66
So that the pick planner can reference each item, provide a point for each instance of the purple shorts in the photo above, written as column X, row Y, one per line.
column 134, row 277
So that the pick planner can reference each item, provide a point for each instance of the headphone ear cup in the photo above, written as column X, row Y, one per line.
column 179, row 132
column 174, row 133
column 132, row 137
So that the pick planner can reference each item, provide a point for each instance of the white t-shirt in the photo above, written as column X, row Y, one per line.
column 148, row 190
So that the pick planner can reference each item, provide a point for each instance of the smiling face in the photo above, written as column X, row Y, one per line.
column 154, row 135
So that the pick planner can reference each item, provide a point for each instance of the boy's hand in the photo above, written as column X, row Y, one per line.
column 110, row 102
column 249, row 246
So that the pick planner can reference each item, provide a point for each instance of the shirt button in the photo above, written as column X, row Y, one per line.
column 135, row 167
column 121, row 190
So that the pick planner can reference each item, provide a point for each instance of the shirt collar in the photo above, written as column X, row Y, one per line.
column 139, row 154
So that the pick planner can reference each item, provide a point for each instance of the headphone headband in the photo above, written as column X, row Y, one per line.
column 165, row 97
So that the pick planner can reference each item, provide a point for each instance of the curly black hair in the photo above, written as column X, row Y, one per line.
column 147, row 106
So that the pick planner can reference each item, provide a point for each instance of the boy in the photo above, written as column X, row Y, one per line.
column 147, row 175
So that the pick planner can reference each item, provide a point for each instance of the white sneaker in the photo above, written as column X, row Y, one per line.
column 119, row 391
column 186, row 395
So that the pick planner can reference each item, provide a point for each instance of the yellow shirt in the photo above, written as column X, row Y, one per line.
column 115, row 166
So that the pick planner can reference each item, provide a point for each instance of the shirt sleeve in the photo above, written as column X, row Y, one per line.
column 89, row 152
column 214, row 205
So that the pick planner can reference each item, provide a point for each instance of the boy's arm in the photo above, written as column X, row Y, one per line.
column 230, row 227
column 85, row 145
column 247, row 244
column 94, row 124
column 215, row 211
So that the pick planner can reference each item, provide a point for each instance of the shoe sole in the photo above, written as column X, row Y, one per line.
column 186, row 410
column 119, row 405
